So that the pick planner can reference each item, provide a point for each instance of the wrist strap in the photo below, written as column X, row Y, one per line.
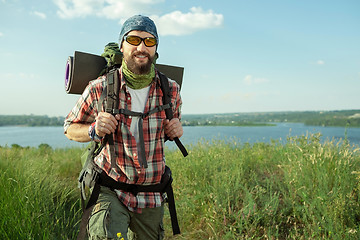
column 92, row 133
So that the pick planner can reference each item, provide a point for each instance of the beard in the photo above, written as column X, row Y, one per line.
column 139, row 68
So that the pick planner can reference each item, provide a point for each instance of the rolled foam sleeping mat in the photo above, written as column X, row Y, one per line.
column 84, row 67
column 173, row 72
column 81, row 69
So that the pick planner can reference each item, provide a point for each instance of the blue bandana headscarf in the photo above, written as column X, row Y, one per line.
column 139, row 23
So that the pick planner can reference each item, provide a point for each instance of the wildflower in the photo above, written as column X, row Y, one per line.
column 352, row 231
column 119, row 236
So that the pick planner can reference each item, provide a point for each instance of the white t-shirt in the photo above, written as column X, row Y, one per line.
column 138, row 102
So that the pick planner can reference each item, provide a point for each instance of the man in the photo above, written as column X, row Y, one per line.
column 116, row 211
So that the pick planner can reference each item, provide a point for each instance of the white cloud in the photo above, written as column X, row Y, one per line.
column 1, row 34
column 250, row 80
column 320, row 62
column 174, row 23
column 39, row 14
column 178, row 23
column 111, row 9
column 78, row 8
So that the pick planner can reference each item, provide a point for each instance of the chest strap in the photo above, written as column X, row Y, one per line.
column 112, row 106
column 143, row 161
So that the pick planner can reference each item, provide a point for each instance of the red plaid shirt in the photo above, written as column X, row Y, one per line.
column 128, row 168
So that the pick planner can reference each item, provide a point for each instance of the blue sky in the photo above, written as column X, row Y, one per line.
column 238, row 55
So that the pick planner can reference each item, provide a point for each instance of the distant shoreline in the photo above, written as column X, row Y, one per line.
column 342, row 118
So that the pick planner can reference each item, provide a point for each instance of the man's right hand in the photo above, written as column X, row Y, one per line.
column 106, row 123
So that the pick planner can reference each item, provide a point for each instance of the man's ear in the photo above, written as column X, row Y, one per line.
column 121, row 47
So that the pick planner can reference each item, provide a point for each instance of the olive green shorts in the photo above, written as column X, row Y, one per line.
column 110, row 219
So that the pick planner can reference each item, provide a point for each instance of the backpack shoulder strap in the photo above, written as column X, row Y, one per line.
column 169, row 112
column 164, row 83
column 112, row 79
column 112, row 102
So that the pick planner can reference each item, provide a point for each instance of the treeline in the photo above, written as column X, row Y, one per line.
column 342, row 118
column 30, row 120
column 341, row 122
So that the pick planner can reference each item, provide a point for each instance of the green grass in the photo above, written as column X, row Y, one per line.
column 303, row 189
column 38, row 197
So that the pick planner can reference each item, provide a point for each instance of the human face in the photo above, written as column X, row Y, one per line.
column 138, row 58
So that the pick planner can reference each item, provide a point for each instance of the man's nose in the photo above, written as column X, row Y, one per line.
column 141, row 46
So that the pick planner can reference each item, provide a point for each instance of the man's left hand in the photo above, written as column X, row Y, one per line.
column 173, row 128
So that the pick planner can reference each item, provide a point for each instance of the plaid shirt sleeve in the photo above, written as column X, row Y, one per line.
column 175, row 98
column 86, row 108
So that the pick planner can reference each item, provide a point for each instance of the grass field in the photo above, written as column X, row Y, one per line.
column 303, row 189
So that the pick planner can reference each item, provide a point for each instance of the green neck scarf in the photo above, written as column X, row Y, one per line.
column 137, row 81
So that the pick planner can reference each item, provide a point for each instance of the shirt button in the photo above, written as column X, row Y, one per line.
column 135, row 155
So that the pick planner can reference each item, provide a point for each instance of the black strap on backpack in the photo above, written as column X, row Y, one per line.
column 113, row 83
column 113, row 108
column 169, row 113
column 104, row 180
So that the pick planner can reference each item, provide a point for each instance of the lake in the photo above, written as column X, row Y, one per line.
column 53, row 136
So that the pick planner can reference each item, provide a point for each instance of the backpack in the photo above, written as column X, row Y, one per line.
column 91, row 176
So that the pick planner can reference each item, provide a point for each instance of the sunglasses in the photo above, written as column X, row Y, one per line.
column 136, row 40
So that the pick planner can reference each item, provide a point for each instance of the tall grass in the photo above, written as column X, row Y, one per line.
column 38, row 198
column 303, row 189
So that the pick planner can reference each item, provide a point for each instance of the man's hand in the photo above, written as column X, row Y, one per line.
column 106, row 123
column 173, row 128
